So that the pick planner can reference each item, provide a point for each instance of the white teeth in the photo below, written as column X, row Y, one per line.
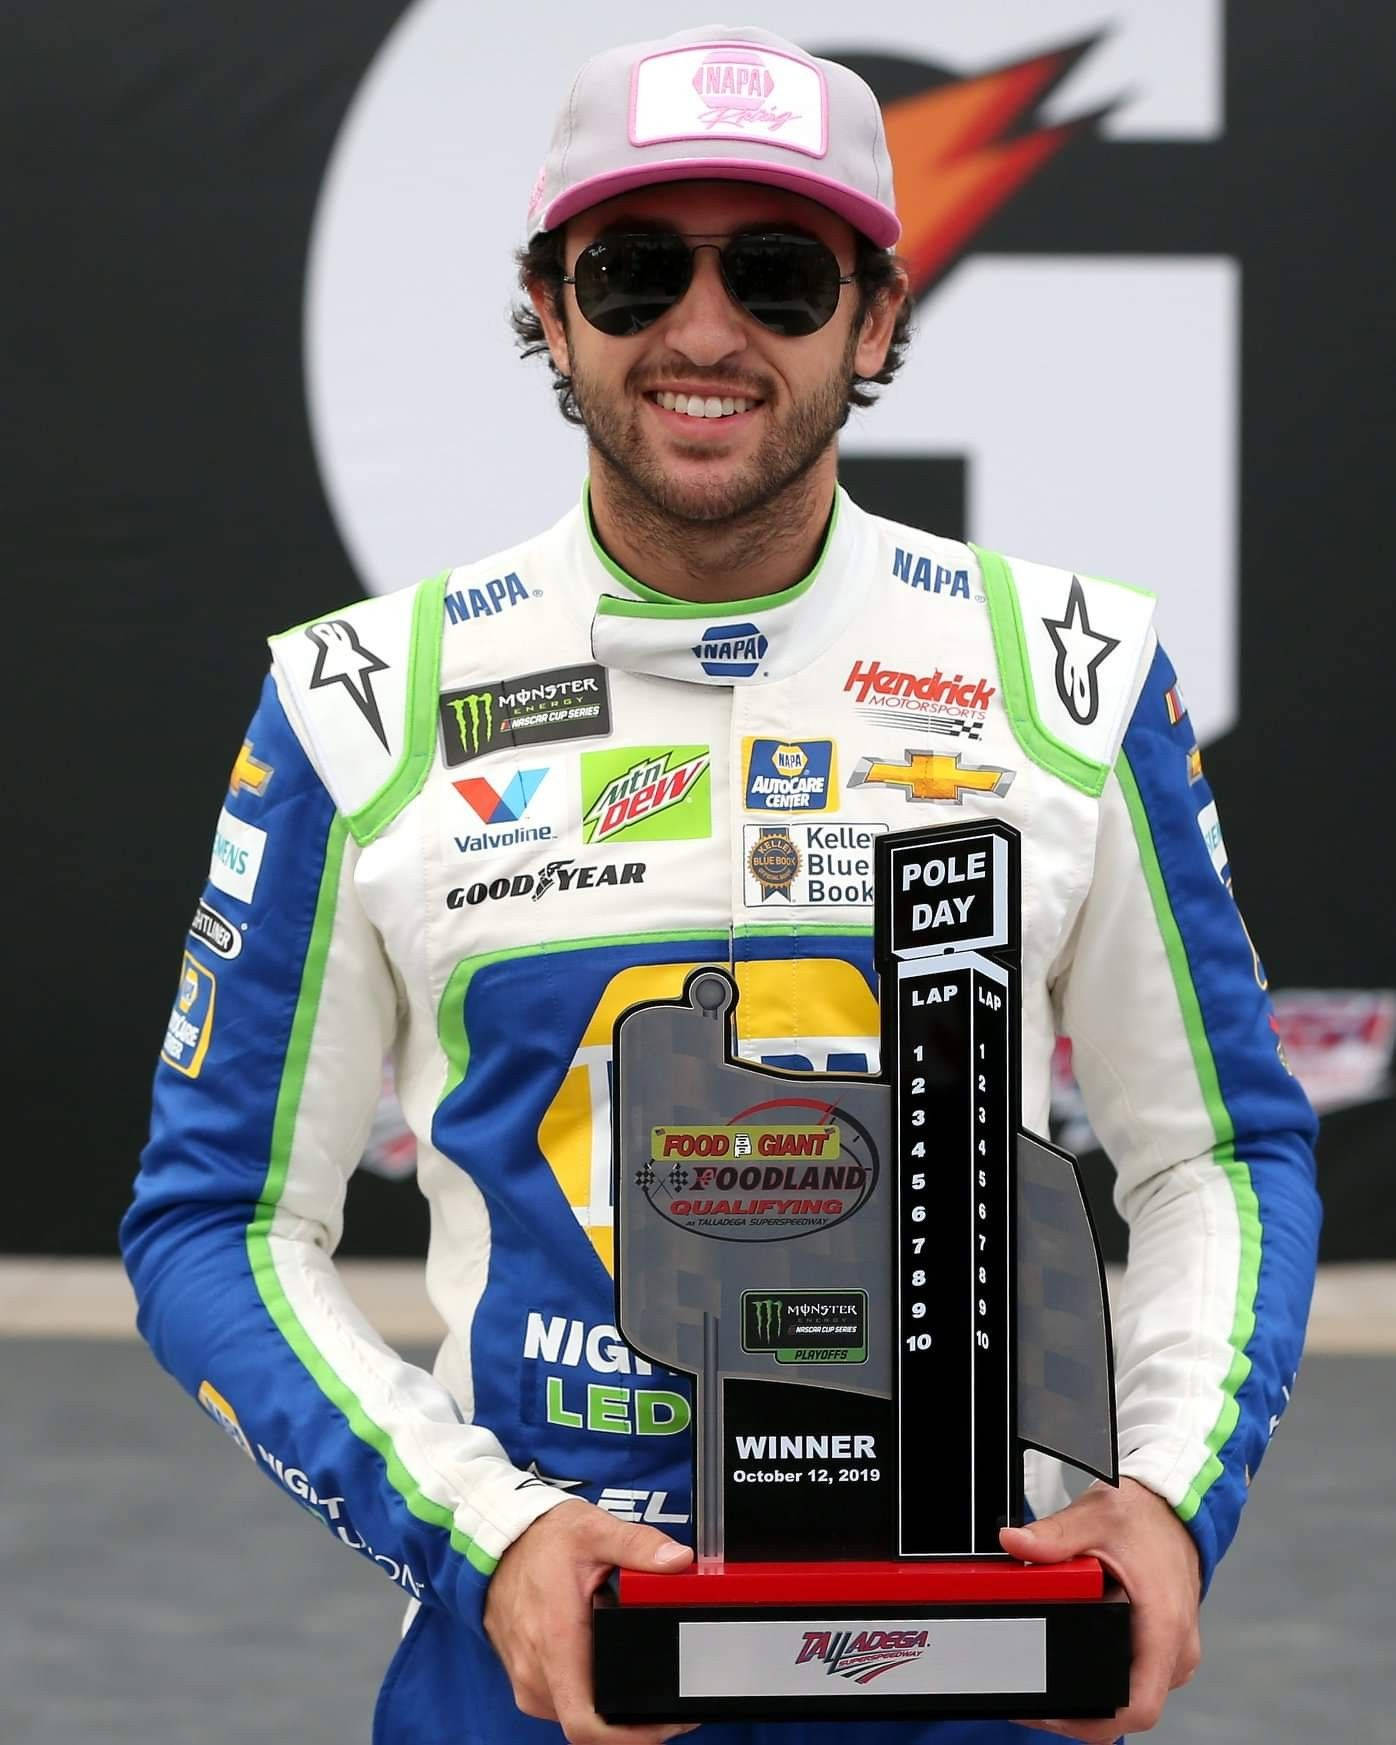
column 695, row 406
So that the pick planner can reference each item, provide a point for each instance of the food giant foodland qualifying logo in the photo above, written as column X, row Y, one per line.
column 826, row 1003
column 1083, row 394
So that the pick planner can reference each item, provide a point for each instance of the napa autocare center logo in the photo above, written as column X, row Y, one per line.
column 861, row 1655
column 731, row 651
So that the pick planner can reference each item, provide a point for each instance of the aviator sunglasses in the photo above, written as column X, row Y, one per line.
column 790, row 284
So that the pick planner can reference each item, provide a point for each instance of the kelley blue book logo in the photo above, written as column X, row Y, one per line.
column 731, row 651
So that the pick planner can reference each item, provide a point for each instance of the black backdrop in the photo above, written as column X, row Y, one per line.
column 161, row 511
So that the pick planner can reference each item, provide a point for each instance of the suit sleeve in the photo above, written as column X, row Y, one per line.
column 264, row 1094
column 1176, row 1051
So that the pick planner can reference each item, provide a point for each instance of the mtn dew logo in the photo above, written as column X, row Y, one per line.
column 647, row 793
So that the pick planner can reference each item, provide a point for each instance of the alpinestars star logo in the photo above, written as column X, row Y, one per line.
column 862, row 1655
column 341, row 659
column 1080, row 650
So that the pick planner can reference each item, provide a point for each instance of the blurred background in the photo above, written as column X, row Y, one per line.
column 258, row 364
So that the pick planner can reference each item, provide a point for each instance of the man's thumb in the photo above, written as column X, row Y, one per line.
column 640, row 1547
column 1052, row 1539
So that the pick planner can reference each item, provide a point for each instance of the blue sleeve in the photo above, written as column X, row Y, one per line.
column 1263, row 1128
column 266, row 1085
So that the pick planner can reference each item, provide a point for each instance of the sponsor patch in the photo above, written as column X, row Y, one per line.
column 648, row 793
column 555, row 876
column 806, row 1326
column 1210, row 825
column 224, row 1416
column 789, row 775
column 486, row 599
column 237, row 856
column 932, row 775
column 190, row 1026
column 1080, row 651
column 249, row 772
column 954, row 705
column 818, row 865
column 729, row 90
column 216, row 931
column 731, row 651
column 931, row 578
column 570, row 702
column 341, row 659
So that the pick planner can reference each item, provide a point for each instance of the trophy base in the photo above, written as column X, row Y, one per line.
column 819, row 1641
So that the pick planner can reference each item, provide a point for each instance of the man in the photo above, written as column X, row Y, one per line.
column 475, row 837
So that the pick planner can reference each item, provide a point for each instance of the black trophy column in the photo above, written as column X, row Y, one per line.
column 951, row 1139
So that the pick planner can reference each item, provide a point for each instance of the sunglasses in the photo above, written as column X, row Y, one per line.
column 790, row 284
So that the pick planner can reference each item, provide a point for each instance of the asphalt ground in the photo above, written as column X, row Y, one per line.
column 158, row 1591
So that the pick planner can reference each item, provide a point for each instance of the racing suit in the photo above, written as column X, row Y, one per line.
column 474, row 820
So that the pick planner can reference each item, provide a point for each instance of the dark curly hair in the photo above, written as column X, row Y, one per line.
column 541, row 264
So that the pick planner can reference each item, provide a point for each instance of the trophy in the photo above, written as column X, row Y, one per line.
column 884, row 1291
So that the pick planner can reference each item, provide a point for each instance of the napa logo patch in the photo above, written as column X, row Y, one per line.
column 190, row 1026
column 789, row 775
column 731, row 651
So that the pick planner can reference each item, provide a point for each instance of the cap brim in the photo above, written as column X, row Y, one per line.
column 877, row 222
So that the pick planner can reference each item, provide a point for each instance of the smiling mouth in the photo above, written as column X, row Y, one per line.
column 704, row 406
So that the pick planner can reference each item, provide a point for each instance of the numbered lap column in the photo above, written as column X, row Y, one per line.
column 951, row 1239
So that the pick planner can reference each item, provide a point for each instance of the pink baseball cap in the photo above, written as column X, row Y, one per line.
column 731, row 103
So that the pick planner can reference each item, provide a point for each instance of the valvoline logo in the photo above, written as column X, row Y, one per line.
column 731, row 651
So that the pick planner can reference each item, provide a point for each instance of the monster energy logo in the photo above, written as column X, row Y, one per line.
column 765, row 1313
column 806, row 1326
column 471, row 711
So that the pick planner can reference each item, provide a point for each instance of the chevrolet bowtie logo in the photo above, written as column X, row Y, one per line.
column 249, row 772
column 933, row 775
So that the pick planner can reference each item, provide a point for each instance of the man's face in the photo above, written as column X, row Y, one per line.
column 700, row 468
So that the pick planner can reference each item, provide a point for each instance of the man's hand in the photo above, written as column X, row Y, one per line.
column 538, row 1614
column 1150, row 1552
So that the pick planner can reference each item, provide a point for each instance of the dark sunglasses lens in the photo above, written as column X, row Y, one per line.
column 787, row 283
column 624, row 283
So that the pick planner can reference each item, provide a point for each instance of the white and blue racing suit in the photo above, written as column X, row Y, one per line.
column 474, row 820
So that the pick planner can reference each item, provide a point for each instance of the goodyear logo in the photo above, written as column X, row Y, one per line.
column 731, row 651
column 789, row 775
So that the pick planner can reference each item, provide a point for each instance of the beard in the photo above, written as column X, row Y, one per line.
column 653, row 497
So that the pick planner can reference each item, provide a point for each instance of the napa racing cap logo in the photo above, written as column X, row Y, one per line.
column 652, row 793
column 775, row 1171
column 731, row 651
column 862, row 1655
column 789, row 775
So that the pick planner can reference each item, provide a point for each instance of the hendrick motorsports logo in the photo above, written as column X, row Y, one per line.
column 955, row 706
column 862, row 1655
column 731, row 651
column 649, row 792
column 569, row 702
column 774, row 1171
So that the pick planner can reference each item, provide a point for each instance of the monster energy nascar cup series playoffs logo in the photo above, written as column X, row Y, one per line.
column 570, row 702
column 806, row 1326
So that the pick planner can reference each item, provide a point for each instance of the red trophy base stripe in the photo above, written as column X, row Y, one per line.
column 882, row 1584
